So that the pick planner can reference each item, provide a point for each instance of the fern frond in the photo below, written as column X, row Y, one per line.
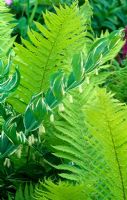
column 107, row 122
column 69, row 139
column 49, row 50
column 61, row 191
column 6, row 27
column 92, row 143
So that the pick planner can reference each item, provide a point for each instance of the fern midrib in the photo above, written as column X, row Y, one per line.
column 45, row 67
column 117, row 160
column 50, row 53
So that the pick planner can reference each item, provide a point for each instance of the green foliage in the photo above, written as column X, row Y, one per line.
column 51, row 191
column 60, row 56
column 42, row 104
column 6, row 27
column 109, row 14
column 92, row 138
column 68, row 131
column 107, row 122
column 24, row 194
column 61, row 191
column 49, row 50
column 28, row 11
column 6, row 147
column 117, row 83
column 7, row 84
column 50, row 2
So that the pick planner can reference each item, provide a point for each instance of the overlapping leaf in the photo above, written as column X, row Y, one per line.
column 100, row 52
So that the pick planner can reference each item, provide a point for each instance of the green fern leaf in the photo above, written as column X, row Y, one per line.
column 107, row 122
column 49, row 50
column 61, row 191
column 67, row 135
column 90, row 137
